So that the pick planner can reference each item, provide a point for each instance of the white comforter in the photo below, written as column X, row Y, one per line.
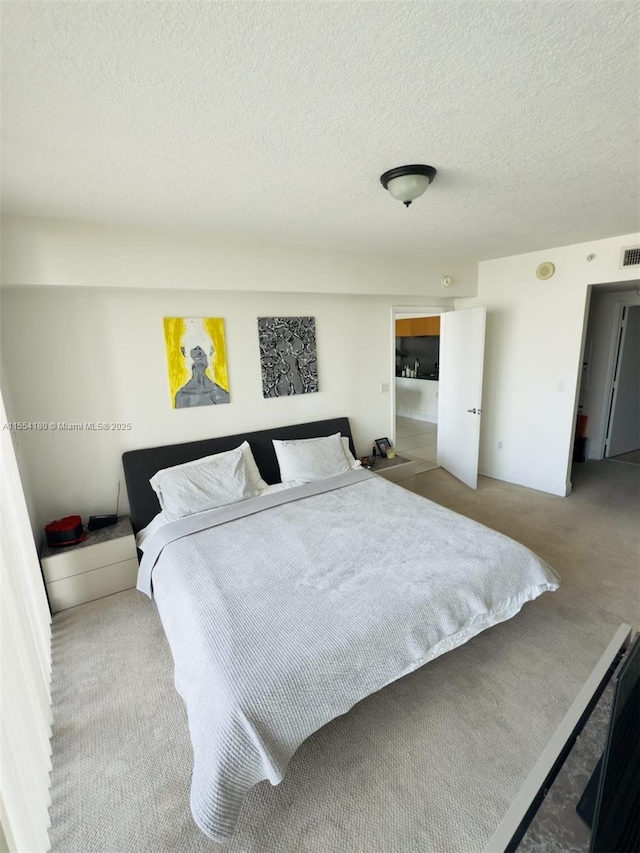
column 284, row 617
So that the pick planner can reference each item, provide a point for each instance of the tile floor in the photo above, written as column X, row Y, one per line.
column 417, row 440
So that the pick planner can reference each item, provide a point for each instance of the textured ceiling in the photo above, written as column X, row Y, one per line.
column 276, row 119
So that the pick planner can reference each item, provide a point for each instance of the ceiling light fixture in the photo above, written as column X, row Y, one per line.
column 407, row 183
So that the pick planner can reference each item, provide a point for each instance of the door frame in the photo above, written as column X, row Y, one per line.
column 619, row 341
column 616, row 347
column 626, row 299
column 416, row 311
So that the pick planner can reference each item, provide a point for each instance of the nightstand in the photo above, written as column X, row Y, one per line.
column 104, row 563
column 399, row 470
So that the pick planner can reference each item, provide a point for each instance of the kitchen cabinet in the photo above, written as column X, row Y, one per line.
column 417, row 398
column 417, row 327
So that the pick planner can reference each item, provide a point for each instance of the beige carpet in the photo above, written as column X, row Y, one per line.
column 633, row 456
column 428, row 764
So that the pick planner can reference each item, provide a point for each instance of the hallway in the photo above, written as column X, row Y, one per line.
column 417, row 440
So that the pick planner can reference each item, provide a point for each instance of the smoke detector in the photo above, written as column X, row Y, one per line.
column 545, row 270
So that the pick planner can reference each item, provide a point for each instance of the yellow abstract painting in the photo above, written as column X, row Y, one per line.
column 196, row 361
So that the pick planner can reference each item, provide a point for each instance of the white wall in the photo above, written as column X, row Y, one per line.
column 53, row 252
column 419, row 312
column 82, row 340
column 533, row 355
column 602, row 335
column 95, row 352
column 73, row 355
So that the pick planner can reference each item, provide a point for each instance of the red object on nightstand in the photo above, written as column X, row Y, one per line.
column 65, row 531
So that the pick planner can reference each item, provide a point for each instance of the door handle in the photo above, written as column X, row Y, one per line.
column 471, row 411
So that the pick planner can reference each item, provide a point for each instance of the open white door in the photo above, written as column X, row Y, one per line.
column 623, row 433
column 460, row 392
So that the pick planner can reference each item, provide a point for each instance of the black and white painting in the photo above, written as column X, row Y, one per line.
column 288, row 355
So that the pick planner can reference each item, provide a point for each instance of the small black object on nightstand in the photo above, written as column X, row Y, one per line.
column 97, row 522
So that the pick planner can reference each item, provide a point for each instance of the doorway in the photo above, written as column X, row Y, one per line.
column 622, row 440
column 608, row 416
column 416, row 385
column 456, row 381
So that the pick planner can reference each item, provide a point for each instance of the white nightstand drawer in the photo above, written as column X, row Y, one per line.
column 97, row 583
column 85, row 559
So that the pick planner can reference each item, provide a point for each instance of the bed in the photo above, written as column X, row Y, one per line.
column 284, row 610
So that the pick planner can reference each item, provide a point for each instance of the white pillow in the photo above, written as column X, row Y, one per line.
column 204, row 484
column 252, row 467
column 311, row 458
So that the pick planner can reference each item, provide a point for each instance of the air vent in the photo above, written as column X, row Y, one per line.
column 631, row 257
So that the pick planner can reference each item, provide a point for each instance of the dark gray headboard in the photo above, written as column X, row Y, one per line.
column 141, row 465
